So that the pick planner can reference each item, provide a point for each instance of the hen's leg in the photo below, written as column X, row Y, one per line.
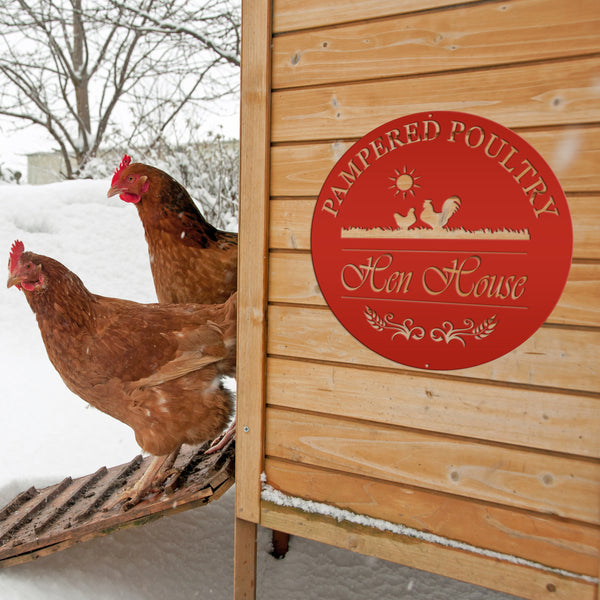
column 153, row 478
column 220, row 442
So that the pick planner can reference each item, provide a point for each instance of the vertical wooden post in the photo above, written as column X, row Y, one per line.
column 255, row 137
column 253, row 253
column 244, row 568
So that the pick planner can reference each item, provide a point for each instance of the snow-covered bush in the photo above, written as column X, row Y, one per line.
column 9, row 175
column 209, row 171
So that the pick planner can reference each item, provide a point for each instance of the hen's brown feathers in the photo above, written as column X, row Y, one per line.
column 156, row 367
column 191, row 260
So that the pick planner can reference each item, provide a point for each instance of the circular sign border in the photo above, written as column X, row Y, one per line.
column 435, row 116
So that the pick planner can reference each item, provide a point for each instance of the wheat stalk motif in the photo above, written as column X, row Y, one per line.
column 487, row 327
column 374, row 320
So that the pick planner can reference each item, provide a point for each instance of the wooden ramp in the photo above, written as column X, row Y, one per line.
column 39, row 522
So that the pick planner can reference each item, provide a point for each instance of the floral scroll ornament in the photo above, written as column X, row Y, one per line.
column 404, row 329
column 446, row 333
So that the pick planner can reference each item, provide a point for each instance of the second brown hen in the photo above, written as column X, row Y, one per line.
column 191, row 261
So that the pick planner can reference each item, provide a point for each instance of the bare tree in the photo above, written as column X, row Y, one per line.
column 129, row 70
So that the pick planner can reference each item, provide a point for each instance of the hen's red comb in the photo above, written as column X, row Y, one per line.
column 124, row 163
column 15, row 254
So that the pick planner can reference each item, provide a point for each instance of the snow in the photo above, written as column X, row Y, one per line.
column 48, row 433
column 18, row 141
column 270, row 494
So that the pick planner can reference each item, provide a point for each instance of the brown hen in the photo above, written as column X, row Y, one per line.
column 191, row 260
column 155, row 367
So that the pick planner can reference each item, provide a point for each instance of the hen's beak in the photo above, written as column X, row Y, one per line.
column 13, row 279
column 114, row 190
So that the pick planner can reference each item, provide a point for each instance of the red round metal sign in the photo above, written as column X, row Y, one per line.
column 441, row 240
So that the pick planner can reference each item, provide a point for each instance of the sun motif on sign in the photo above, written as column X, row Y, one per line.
column 404, row 182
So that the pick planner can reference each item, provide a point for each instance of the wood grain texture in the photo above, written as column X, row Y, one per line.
column 580, row 301
column 554, row 357
column 573, row 153
column 244, row 560
column 558, row 485
column 289, row 15
column 252, row 270
column 562, row 92
column 469, row 36
column 292, row 280
column 506, row 414
column 585, row 214
column 522, row 581
column 290, row 222
column 556, row 543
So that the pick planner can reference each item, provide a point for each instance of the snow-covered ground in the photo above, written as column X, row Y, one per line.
column 48, row 433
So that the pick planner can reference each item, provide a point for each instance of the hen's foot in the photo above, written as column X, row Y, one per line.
column 220, row 442
column 152, row 481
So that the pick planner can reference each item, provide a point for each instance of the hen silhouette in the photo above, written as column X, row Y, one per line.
column 407, row 221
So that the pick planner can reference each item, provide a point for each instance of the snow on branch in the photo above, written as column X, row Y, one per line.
column 160, row 25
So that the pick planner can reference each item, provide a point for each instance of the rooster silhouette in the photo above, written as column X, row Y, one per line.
column 437, row 220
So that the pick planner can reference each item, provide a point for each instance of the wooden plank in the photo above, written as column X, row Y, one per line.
column 554, row 357
column 556, row 543
column 292, row 279
column 301, row 170
column 298, row 286
column 572, row 152
column 290, row 15
column 244, row 567
column 585, row 214
column 291, row 218
column 290, row 223
column 559, row 485
column 519, row 580
column 580, row 301
column 507, row 414
column 253, row 231
column 469, row 36
column 552, row 93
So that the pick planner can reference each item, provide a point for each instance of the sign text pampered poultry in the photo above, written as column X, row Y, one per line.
column 475, row 137
column 441, row 240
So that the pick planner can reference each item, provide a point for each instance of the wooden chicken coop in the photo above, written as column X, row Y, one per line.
column 496, row 465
